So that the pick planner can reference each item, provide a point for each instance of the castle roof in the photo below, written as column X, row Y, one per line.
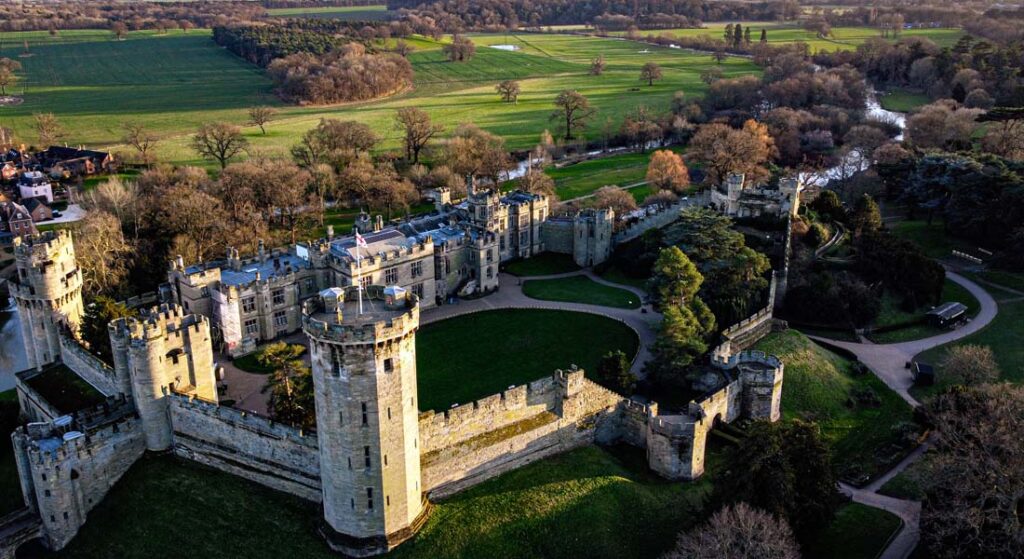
column 270, row 268
column 376, row 242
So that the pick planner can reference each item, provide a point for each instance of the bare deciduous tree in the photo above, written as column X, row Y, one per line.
column 260, row 115
column 620, row 201
column 509, row 91
column 573, row 112
column 140, row 139
column 738, row 532
column 48, row 128
column 417, row 130
column 8, row 74
column 119, row 29
column 650, row 72
column 724, row 150
column 102, row 253
column 219, row 141
column 597, row 65
column 667, row 171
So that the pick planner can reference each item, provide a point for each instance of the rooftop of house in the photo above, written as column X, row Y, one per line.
column 273, row 266
column 33, row 178
column 31, row 204
column 384, row 240
column 64, row 153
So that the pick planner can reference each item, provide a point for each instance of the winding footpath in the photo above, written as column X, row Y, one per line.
column 888, row 362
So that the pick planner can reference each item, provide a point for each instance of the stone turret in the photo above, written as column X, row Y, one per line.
column 48, row 292
column 364, row 373
column 163, row 351
column 592, row 236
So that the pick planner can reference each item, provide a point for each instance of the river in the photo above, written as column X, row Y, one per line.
column 12, row 350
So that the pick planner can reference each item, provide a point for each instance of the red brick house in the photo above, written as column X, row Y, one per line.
column 38, row 209
column 15, row 221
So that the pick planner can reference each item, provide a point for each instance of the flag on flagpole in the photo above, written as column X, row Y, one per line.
column 360, row 241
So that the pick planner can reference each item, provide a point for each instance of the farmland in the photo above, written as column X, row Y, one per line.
column 175, row 81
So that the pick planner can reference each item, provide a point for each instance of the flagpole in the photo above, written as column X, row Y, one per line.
column 359, row 282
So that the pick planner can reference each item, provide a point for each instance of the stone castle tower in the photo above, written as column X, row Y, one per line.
column 48, row 292
column 162, row 351
column 364, row 372
column 592, row 231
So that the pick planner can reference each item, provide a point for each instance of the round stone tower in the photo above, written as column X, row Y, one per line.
column 48, row 292
column 367, row 416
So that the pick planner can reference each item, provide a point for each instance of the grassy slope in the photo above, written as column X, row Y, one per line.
column 581, row 289
column 932, row 239
column 903, row 101
column 817, row 386
column 509, row 347
column 586, row 503
column 892, row 314
column 581, row 179
column 857, row 533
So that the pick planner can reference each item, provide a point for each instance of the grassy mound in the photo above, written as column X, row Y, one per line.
column 581, row 289
column 468, row 357
column 859, row 415
column 543, row 264
column 857, row 532
column 586, row 503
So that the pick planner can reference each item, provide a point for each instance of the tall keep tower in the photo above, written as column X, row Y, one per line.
column 364, row 373
column 48, row 292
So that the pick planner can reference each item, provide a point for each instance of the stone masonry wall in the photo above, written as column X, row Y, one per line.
column 89, row 367
column 472, row 443
column 68, row 478
column 272, row 454
column 557, row 234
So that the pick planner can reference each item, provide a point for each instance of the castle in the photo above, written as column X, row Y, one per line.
column 736, row 198
column 375, row 462
column 455, row 250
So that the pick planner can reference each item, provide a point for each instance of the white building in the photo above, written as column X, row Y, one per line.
column 34, row 184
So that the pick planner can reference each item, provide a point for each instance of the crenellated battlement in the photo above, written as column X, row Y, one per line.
column 260, row 425
column 159, row 322
column 41, row 246
column 336, row 318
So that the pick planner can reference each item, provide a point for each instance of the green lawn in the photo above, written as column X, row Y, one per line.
column 842, row 38
column 581, row 179
column 350, row 13
column 910, row 483
column 543, row 264
column 614, row 274
column 585, row 503
column 581, row 289
column 176, row 81
column 891, row 314
column 902, row 101
column 821, row 386
column 858, row 532
column 10, row 486
column 64, row 389
column 1003, row 335
column 465, row 358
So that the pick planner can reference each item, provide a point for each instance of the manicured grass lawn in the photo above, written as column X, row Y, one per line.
column 10, row 487
column 581, row 289
column 465, row 358
column 902, row 101
column 1011, row 280
column 586, row 503
column 64, row 389
column 1003, row 335
column 584, row 178
column 613, row 273
column 858, row 532
column 543, row 264
column 892, row 314
column 251, row 363
column 821, row 386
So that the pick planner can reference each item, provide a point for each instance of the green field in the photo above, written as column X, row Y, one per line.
column 584, row 178
column 903, row 101
column 176, row 81
column 350, row 13
column 821, row 386
column 858, row 532
column 462, row 359
column 581, row 289
column 586, row 503
column 891, row 315
column 842, row 38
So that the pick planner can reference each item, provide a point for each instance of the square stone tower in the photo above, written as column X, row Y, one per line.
column 364, row 374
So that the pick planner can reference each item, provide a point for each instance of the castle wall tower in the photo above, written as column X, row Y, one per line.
column 364, row 372
column 48, row 292
column 163, row 351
